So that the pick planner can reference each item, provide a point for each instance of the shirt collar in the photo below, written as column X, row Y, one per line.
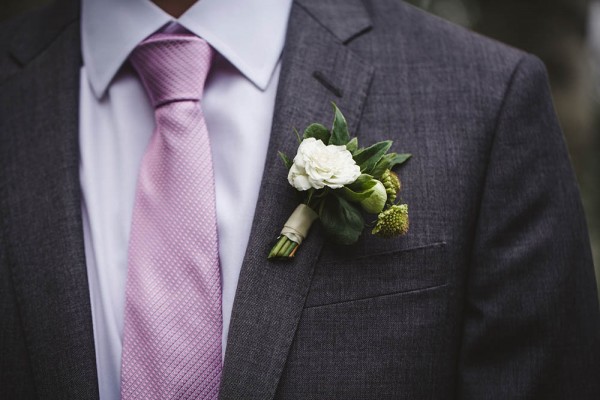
column 250, row 34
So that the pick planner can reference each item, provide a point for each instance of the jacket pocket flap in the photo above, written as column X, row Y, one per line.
column 408, row 269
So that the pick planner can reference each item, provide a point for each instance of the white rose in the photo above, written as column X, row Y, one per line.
column 317, row 165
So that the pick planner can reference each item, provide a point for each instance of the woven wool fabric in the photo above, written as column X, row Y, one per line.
column 173, row 316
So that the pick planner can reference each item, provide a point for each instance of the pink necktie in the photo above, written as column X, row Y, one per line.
column 173, row 317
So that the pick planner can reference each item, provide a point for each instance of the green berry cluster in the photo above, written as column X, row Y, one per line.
column 392, row 185
column 392, row 222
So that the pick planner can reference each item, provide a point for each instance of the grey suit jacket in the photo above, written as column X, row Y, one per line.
column 491, row 295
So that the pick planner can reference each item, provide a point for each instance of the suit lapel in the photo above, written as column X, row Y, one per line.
column 317, row 68
column 41, row 204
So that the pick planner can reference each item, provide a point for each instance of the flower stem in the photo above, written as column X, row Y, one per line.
column 294, row 232
column 311, row 191
column 284, row 248
column 290, row 249
column 293, row 253
column 277, row 248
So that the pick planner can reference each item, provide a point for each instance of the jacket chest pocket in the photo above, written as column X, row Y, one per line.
column 345, row 279
column 374, row 327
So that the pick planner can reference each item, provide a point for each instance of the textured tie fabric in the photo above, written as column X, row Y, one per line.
column 173, row 317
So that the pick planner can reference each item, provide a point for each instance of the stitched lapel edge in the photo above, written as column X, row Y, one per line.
column 270, row 295
column 41, row 202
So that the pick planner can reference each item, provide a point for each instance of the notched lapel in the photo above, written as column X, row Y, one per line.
column 270, row 296
column 41, row 206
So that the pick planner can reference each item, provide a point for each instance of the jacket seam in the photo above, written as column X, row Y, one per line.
column 507, row 90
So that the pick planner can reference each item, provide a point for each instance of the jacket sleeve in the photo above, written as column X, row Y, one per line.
column 531, row 326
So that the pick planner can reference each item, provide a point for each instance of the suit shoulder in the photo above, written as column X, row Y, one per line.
column 25, row 36
column 426, row 39
column 8, row 30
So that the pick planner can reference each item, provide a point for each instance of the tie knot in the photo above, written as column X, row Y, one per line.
column 172, row 66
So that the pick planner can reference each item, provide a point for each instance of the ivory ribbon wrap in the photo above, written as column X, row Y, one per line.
column 298, row 224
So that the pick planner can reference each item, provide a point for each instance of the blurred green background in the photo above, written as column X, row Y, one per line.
column 565, row 34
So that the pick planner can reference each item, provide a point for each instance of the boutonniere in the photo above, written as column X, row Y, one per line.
column 339, row 182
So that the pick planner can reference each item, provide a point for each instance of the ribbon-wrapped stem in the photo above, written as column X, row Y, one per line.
column 294, row 232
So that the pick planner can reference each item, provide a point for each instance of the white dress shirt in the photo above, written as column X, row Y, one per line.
column 117, row 121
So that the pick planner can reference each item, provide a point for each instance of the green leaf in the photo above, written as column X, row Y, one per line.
column 382, row 165
column 352, row 145
column 318, row 132
column 342, row 221
column 363, row 183
column 375, row 203
column 399, row 159
column 367, row 191
column 339, row 132
column 356, row 197
column 369, row 157
column 286, row 160
column 388, row 161
column 298, row 136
